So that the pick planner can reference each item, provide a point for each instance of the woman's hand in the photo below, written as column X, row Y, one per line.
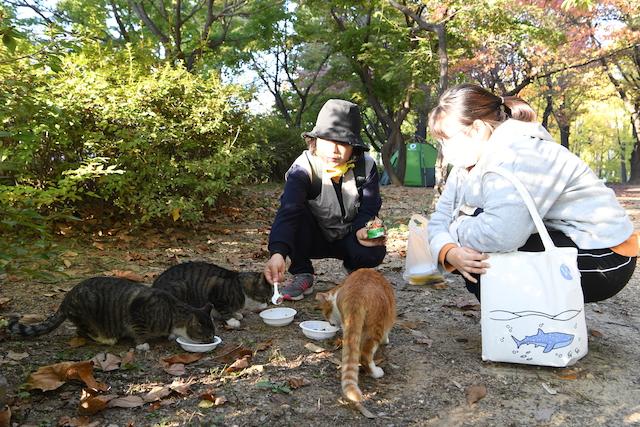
column 467, row 261
column 361, row 235
column 274, row 270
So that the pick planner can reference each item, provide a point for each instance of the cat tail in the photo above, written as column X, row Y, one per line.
column 51, row 323
column 351, row 340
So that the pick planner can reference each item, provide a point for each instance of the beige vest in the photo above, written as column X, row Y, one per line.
column 326, row 207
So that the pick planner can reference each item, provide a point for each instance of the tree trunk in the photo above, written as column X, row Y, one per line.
column 634, row 169
column 565, row 132
column 387, row 152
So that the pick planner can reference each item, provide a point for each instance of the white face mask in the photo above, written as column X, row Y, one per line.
column 462, row 150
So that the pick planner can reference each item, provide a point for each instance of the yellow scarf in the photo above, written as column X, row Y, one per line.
column 338, row 171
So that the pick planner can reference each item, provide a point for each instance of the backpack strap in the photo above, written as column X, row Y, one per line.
column 360, row 173
column 316, row 181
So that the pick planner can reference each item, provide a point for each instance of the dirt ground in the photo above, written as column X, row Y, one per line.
column 432, row 360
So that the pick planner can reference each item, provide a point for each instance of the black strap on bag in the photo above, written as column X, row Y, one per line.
column 359, row 172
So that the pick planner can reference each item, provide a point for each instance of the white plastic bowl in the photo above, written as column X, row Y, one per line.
column 318, row 329
column 279, row 316
column 195, row 347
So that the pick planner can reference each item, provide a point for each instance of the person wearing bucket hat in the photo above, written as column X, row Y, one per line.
column 331, row 191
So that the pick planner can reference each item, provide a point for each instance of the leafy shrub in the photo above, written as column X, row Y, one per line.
column 145, row 141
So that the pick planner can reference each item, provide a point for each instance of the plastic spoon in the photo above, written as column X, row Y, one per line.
column 276, row 299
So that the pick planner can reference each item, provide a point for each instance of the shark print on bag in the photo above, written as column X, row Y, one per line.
column 550, row 341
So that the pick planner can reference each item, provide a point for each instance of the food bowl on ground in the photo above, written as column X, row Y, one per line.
column 318, row 329
column 196, row 347
column 279, row 316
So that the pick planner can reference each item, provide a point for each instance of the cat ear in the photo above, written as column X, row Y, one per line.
column 208, row 308
column 322, row 297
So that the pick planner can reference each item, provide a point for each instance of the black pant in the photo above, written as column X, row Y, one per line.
column 603, row 272
column 311, row 244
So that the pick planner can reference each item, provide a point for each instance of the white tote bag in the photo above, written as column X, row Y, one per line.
column 532, row 303
column 420, row 266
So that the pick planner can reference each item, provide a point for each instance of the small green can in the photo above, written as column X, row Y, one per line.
column 374, row 233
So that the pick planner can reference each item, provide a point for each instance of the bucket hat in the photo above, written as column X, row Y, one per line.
column 339, row 120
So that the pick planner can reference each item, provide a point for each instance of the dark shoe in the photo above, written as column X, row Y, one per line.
column 297, row 287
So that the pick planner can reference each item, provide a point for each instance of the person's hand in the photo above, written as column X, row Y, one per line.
column 361, row 235
column 467, row 261
column 274, row 270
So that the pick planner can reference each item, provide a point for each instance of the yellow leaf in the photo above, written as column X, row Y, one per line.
column 205, row 404
column 175, row 214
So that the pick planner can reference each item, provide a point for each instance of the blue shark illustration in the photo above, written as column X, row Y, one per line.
column 549, row 341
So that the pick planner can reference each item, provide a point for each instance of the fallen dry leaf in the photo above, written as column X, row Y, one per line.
column 53, row 376
column 209, row 395
column 297, row 382
column 464, row 305
column 16, row 356
column 76, row 342
column 99, row 246
column 181, row 387
column 184, row 358
column 176, row 369
column 239, row 364
column 314, row 348
column 263, row 345
column 4, row 301
column 220, row 400
column 568, row 374
column 5, row 416
column 77, row 422
column 66, row 263
column 135, row 256
column 409, row 324
column 106, row 361
column 424, row 340
column 126, row 274
column 549, row 389
column 595, row 333
column 157, row 393
column 91, row 403
column 232, row 353
column 126, row 402
column 336, row 344
column 475, row 392
column 128, row 358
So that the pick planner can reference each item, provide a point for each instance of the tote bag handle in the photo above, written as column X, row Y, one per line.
column 528, row 200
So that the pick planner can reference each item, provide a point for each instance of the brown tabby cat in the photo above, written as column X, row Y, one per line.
column 198, row 283
column 107, row 309
column 365, row 306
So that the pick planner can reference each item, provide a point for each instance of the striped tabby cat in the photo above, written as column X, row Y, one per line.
column 365, row 306
column 107, row 309
column 198, row 283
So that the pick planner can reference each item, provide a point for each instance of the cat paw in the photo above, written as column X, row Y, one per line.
column 233, row 323
column 376, row 372
column 238, row 316
column 385, row 340
column 143, row 347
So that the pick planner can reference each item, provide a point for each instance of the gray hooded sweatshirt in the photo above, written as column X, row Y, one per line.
column 568, row 195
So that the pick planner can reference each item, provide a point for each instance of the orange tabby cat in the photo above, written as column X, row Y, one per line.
column 365, row 306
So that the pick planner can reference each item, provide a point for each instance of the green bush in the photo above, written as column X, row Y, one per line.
column 280, row 145
column 148, row 142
